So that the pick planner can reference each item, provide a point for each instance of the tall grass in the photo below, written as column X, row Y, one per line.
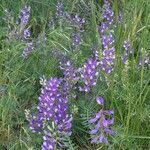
column 126, row 90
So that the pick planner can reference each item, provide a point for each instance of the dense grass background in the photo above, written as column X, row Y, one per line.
column 127, row 92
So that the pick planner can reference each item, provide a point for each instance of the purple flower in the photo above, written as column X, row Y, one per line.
column 101, row 124
column 100, row 100
column 95, row 53
column 127, row 52
column 143, row 60
column 27, row 49
column 120, row 17
column 49, row 143
column 103, row 27
column 127, row 47
column 78, row 21
column 107, row 41
column 107, row 61
column 70, row 76
column 108, row 13
column 52, row 109
column 76, row 39
column 89, row 74
column 108, row 57
column 26, row 34
column 59, row 9
column 24, row 16
column 36, row 123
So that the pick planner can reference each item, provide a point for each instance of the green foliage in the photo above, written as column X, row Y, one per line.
column 125, row 91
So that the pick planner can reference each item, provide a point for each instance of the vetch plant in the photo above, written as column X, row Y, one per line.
column 127, row 52
column 108, row 55
column 52, row 111
column 101, row 122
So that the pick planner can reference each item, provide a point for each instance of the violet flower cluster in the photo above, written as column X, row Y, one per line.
column 101, row 124
column 59, row 9
column 25, row 33
column 89, row 74
column 108, row 13
column 95, row 53
column 26, row 51
column 76, row 39
column 143, row 61
column 52, row 108
column 70, row 76
column 49, row 143
column 127, row 52
column 24, row 16
column 78, row 21
column 108, row 57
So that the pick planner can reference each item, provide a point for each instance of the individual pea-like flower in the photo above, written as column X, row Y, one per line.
column 100, row 100
column 101, row 130
column 27, row 49
column 127, row 52
column 89, row 74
